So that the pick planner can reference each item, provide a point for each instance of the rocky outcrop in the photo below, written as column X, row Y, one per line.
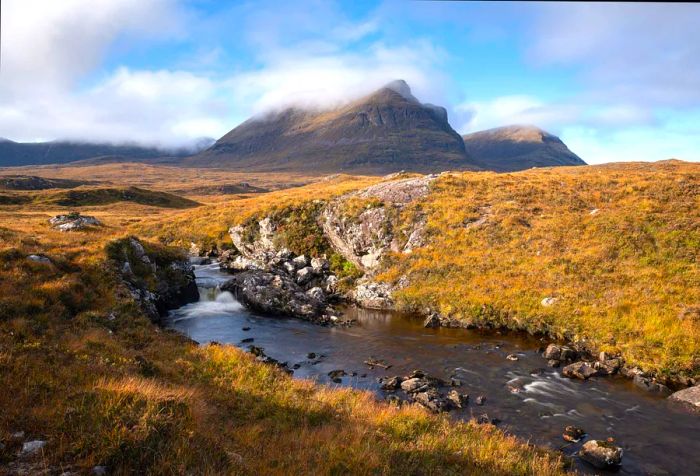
column 73, row 222
column 364, row 237
column 159, row 280
column 372, row 295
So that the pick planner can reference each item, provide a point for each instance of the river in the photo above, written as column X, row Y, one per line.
column 658, row 437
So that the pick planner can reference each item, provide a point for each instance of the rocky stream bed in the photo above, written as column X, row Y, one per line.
column 493, row 377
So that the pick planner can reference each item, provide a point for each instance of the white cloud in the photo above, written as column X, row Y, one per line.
column 303, row 79
column 42, row 97
column 647, row 54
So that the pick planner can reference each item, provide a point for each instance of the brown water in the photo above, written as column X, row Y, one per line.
column 657, row 436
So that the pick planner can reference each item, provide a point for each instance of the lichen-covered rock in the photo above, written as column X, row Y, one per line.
column 432, row 400
column 373, row 295
column 305, row 275
column 73, row 222
column 601, row 454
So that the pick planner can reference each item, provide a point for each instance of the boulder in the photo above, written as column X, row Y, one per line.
column 580, row 370
column 274, row 294
column 689, row 396
column 364, row 238
column 432, row 400
column 415, row 384
column 373, row 295
column 39, row 259
column 73, row 222
column 601, row 454
column 559, row 353
column 548, row 301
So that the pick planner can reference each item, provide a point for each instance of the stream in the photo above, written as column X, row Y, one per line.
column 657, row 436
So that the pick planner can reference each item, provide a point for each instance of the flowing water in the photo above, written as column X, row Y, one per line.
column 657, row 436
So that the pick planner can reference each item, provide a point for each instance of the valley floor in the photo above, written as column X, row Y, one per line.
column 83, row 370
column 616, row 247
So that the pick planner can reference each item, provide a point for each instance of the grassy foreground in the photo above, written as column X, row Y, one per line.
column 82, row 369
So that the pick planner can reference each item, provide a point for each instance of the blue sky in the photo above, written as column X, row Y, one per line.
column 615, row 81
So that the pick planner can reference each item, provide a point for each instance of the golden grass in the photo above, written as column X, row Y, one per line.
column 617, row 245
column 82, row 368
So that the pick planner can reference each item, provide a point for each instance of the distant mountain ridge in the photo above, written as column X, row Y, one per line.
column 387, row 131
column 61, row 152
column 512, row 148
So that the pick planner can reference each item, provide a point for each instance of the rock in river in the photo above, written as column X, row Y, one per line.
column 601, row 454
column 689, row 396
column 573, row 434
column 580, row 370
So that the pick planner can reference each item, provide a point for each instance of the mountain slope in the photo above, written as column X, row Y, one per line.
column 61, row 152
column 511, row 148
column 387, row 131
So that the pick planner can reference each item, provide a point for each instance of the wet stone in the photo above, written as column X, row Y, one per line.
column 458, row 400
column 247, row 340
column 480, row 400
column 573, row 434
column 601, row 454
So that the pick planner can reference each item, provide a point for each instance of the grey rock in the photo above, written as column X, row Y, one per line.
column 39, row 259
column 432, row 400
column 458, row 400
column 331, row 284
column 689, row 396
column 390, row 384
column 415, row 384
column 601, row 454
column 317, row 294
column 373, row 295
column 73, row 222
column 301, row 261
column 573, row 434
column 32, row 447
column 274, row 294
column 320, row 265
column 99, row 470
column 579, row 370
column 305, row 275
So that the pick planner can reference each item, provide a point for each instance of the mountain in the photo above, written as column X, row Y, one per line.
column 511, row 148
column 61, row 152
column 387, row 131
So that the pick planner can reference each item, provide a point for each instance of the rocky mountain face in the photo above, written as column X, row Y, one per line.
column 387, row 131
column 512, row 148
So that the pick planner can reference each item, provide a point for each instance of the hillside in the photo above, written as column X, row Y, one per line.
column 511, row 148
column 387, row 131
column 14, row 154
column 86, row 196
